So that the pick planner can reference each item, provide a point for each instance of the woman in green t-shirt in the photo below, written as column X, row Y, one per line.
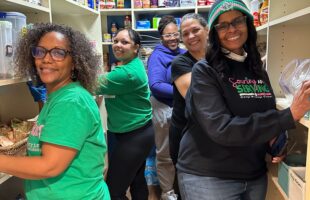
column 66, row 147
column 130, row 134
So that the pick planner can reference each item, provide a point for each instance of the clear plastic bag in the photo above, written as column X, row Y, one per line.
column 294, row 73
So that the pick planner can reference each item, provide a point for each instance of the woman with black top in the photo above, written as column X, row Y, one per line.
column 194, row 34
column 232, row 113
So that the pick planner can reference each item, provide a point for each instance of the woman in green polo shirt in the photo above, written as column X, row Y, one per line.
column 130, row 129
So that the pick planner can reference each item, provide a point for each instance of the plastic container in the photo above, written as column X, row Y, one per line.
column 154, row 3
column 155, row 22
column 187, row 3
column 18, row 21
column 290, row 163
column 113, row 29
column 138, row 3
column 6, row 50
column 143, row 24
column 264, row 12
column 254, row 7
column 127, row 22
column 297, row 183
column 146, row 3
column 292, row 77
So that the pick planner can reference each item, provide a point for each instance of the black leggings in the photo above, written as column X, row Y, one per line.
column 127, row 154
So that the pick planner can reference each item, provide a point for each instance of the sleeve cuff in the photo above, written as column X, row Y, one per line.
column 286, row 119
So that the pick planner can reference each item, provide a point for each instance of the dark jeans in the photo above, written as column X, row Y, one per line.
column 193, row 187
column 127, row 155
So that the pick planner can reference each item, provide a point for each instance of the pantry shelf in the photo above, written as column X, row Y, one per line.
column 72, row 8
column 115, row 12
column 299, row 17
column 11, row 81
column 22, row 6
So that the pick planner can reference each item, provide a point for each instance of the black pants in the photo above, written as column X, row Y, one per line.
column 127, row 154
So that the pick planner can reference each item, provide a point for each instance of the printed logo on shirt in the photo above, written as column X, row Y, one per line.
column 251, row 88
column 33, row 145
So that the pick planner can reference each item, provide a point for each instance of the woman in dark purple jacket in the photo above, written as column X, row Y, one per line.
column 159, row 73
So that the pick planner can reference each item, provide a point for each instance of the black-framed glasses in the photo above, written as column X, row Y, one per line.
column 57, row 54
column 238, row 22
column 170, row 35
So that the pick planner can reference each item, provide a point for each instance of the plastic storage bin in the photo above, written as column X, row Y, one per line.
column 143, row 24
column 290, row 163
column 18, row 21
column 6, row 50
column 296, row 186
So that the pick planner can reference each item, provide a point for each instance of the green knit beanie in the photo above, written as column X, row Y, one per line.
column 222, row 6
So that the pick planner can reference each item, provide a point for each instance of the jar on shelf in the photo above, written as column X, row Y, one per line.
column 154, row 3
column 113, row 29
column 120, row 4
column 107, row 37
column 138, row 3
column 109, row 4
column 146, row 3
column 127, row 22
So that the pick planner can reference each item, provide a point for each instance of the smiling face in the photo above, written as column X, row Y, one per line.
column 54, row 74
column 234, row 37
column 194, row 35
column 124, row 48
column 170, row 37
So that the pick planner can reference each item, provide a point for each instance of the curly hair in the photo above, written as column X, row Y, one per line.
column 85, row 60
column 164, row 21
column 215, row 56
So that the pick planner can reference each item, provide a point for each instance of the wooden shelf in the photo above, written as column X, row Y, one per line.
column 71, row 7
column 262, row 30
column 107, row 43
column 300, row 17
column 5, row 82
column 115, row 11
column 203, row 8
column 146, row 30
column 169, row 10
column 22, row 6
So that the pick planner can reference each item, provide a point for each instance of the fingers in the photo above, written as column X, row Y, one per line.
column 301, row 101
column 277, row 159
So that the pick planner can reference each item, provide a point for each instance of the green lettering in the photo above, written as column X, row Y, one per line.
column 239, row 88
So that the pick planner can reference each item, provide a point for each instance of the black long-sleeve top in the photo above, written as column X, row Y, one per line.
column 231, row 120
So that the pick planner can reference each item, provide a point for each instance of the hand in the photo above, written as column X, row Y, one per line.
column 38, row 92
column 277, row 159
column 301, row 101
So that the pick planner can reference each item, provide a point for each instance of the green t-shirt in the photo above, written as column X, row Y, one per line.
column 129, row 105
column 70, row 118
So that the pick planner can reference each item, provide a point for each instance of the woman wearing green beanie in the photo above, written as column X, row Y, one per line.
column 232, row 114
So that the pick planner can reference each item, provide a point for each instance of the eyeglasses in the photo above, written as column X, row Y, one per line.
column 238, row 22
column 170, row 35
column 57, row 54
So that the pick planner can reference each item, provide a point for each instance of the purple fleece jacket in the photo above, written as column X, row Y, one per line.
column 159, row 73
